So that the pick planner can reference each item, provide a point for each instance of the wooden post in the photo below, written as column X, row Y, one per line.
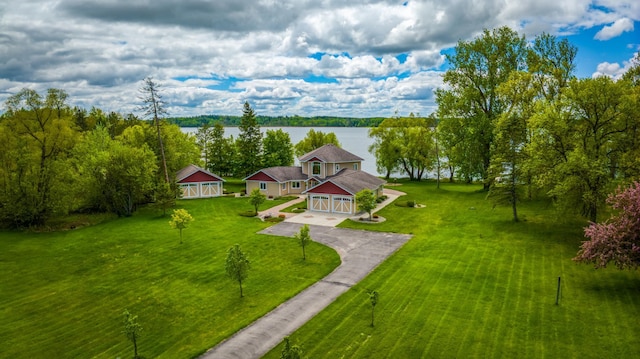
column 558, row 292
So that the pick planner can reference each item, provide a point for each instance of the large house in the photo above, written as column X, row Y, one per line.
column 329, row 176
column 196, row 182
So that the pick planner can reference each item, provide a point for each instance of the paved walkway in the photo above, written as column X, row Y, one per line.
column 360, row 251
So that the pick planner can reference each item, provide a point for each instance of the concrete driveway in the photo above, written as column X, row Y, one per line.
column 360, row 252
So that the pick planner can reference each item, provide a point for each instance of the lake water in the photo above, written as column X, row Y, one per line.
column 353, row 139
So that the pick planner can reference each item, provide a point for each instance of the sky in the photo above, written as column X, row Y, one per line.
column 285, row 57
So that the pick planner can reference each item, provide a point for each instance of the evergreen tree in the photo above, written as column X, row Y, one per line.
column 249, row 143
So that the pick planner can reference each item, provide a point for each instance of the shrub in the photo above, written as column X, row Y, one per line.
column 298, row 210
column 248, row 214
column 376, row 216
column 243, row 192
column 282, row 216
column 411, row 204
column 274, row 219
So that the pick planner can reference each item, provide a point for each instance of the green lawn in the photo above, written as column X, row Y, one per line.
column 471, row 283
column 62, row 294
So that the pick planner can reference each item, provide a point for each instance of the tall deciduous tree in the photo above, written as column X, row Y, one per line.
column 510, row 147
column 204, row 135
column 237, row 265
column 579, row 142
column 478, row 67
column 278, row 150
column 154, row 106
column 404, row 143
column 315, row 139
column 249, row 143
column 38, row 135
column 617, row 240
column 221, row 152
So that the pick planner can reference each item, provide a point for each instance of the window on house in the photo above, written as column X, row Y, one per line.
column 295, row 185
column 263, row 186
column 337, row 167
column 284, row 186
column 315, row 168
column 355, row 166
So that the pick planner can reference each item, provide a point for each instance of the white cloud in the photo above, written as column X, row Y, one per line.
column 613, row 70
column 615, row 29
column 100, row 51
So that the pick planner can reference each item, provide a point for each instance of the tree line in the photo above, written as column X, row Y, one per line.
column 55, row 159
column 514, row 117
column 276, row 121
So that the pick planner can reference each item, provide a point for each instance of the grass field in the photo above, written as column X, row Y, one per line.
column 62, row 294
column 471, row 283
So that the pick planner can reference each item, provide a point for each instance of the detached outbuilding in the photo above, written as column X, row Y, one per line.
column 196, row 182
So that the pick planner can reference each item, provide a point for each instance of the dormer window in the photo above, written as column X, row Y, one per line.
column 315, row 168
column 355, row 166
column 337, row 168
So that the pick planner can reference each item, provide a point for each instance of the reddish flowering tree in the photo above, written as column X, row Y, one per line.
column 618, row 239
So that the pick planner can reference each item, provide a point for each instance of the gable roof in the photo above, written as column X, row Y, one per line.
column 282, row 173
column 331, row 154
column 191, row 169
column 352, row 181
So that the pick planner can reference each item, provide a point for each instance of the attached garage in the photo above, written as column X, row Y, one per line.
column 337, row 194
column 196, row 182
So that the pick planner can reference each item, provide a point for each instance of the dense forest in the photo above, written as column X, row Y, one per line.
column 268, row 121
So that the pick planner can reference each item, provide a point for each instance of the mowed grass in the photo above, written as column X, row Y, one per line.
column 62, row 294
column 473, row 284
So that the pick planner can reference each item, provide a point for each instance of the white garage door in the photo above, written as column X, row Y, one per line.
column 210, row 189
column 319, row 203
column 189, row 190
column 342, row 204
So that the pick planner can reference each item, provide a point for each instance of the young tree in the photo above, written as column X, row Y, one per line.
column 153, row 106
column 237, row 265
column 290, row 351
column 278, row 150
column 180, row 219
column 366, row 201
column 303, row 238
column 618, row 239
column 315, row 139
column 256, row 198
column 132, row 330
column 249, row 143
column 373, row 298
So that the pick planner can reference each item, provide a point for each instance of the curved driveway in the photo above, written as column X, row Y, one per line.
column 360, row 252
